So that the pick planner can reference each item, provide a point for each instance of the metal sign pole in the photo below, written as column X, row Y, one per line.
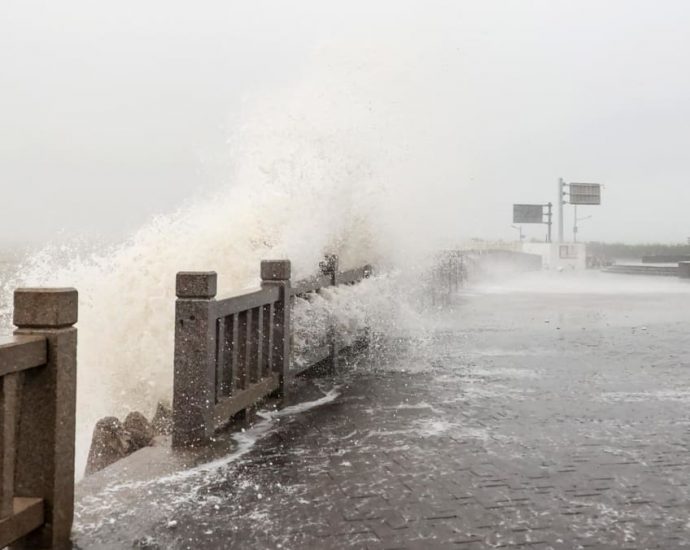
column 561, row 186
column 548, row 217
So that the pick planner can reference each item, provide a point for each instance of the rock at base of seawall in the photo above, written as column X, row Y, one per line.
column 114, row 440
column 109, row 444
column 162, row 420
column 139, row 430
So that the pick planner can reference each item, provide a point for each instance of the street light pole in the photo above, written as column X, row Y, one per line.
column 575, row 220
column 575, row 225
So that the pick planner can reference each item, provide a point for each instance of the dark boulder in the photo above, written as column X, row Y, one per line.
column 113, row 440
column 162, row 420
column 109, row 444
column 139, row 430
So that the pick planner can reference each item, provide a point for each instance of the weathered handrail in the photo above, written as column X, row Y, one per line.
column 353, row 276
column 18, row 353
column 37, row 420
column 311, row 284
column 448, row 275
column 232, row 352
column 330, row 276
column 228, row 353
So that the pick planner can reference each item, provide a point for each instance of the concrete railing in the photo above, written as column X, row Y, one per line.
column 330, row 276
column 448, row 275
column 453, row 268
column 38, row 367
column 232, row 352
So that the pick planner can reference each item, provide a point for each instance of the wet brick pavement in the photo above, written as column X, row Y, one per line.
column 522, row 420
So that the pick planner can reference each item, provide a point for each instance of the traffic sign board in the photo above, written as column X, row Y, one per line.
column 585, row 193
column 528, row 213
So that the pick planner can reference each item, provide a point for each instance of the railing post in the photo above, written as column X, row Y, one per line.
column 195, row 354
column 368, row 270
column 45, row 445
column 330, row 267
column 277, row 273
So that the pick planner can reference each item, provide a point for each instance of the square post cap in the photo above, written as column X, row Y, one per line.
column 275, row 270
column 200, row 285
column 329, row 265
column 45, row 307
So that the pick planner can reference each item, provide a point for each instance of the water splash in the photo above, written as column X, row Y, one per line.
column 302, row 184
column 325, row 165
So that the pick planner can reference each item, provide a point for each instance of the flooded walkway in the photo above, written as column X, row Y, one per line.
column 549, row 414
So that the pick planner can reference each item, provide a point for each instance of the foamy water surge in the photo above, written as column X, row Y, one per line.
column 127, row 294
column 188, row 484
column 303, row 196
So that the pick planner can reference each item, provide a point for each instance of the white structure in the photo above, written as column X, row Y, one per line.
column 564, row 256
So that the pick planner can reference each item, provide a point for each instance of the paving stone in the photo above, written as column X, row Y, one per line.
column 509, row 434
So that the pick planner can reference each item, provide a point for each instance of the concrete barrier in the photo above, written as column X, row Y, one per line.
column 231, row 353
column 684, row 270
column 653, row 270
column 665, row 258
column 38, row 367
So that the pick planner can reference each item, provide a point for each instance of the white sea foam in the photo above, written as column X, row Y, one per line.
column 304, row 406
column 682, row 395
column 422, row 405
column 503, row 372
column 93, row 509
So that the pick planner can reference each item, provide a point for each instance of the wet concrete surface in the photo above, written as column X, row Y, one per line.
column 538, row 415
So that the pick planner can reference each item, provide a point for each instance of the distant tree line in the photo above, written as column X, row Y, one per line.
column 636, row 251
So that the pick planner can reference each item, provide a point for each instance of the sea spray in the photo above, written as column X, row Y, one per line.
column 313, row 169
column 127, row 295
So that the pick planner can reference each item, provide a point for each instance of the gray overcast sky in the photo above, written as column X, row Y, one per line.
column 112, row 112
